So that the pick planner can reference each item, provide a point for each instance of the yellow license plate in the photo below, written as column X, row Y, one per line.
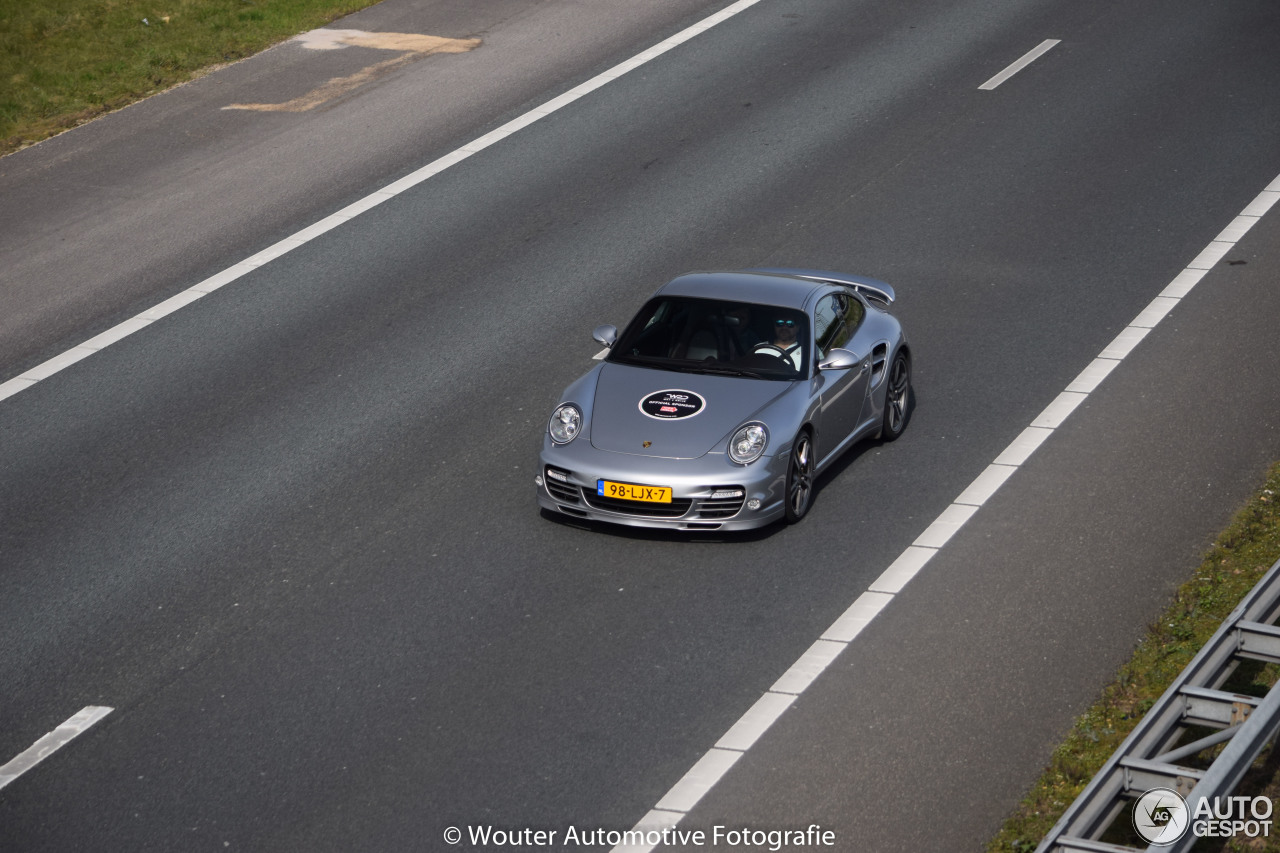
column 632, row 492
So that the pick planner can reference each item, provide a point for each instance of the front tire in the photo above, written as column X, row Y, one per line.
column 800, row 478
column 897, row 396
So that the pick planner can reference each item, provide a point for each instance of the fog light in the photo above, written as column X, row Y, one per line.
column 754, row 503
column 538, row 479
column 721, row 494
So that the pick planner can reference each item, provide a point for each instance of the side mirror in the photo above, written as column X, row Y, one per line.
column 840, row 359
column 607, row 335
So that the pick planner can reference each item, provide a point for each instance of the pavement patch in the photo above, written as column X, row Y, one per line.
column 410, row 47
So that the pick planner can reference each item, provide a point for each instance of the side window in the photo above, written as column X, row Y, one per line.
column 854, row 311
column 663, row 310
column 828, row 324
column 825, row 325
column 834, row 320
column 650, row 333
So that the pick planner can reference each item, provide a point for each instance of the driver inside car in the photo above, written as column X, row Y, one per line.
column 785, row 342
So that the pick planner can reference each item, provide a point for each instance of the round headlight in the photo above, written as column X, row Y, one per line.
column 748, row 443
column 565, row 423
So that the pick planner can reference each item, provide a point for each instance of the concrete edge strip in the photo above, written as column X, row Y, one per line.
column 52, row 742
column 767, row 710
column 117, row 333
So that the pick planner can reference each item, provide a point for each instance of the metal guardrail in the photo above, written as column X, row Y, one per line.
column 1150, row 757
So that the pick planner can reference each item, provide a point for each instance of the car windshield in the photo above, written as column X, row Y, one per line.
column 713, row 336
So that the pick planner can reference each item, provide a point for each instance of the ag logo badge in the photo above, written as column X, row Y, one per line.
column 1160, row 816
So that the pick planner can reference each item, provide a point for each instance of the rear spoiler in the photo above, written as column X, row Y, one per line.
column 867, row 286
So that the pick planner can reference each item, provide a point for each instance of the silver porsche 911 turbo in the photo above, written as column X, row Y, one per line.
column 719, row 404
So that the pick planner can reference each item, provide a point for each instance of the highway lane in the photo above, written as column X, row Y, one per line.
column 109, row 219
column 1011, row 631
column 288, row 533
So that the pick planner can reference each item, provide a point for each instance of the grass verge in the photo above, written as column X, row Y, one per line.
column 64, row 62
column 1242, row 554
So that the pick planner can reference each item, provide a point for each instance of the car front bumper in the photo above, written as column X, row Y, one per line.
column 708, row 493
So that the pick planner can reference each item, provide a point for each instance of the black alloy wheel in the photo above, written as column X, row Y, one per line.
column 800, row 478
column 896, row 398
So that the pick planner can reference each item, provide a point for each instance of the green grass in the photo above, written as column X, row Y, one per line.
column 64, row 62
column 1242, row 554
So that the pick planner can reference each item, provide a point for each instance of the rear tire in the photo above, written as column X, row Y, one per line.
column 799, row 495
column 897, row 397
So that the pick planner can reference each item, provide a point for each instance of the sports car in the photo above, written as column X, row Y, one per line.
column 723, row 399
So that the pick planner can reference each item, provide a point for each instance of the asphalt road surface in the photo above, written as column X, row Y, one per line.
column 288, row 533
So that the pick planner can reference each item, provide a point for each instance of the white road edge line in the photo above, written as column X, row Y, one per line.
column 52, row 742
column 680, row 800
column 43, row 371
column 1027, row 58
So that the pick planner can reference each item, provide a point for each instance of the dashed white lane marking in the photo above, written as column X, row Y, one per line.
column 767, row 710
column 52, row 742
column 1027, row 58
column 59, row 362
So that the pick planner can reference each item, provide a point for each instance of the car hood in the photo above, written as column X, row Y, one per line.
column 688, row 414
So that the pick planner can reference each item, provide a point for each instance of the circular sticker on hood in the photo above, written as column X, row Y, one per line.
column 672, row 404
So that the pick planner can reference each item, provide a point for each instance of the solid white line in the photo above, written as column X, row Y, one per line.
column 1129, row 337
column 850, row 624
column 178, row 301
column 1058, row 411
column 1091, row 377
column 1262, row 203
column 1154, row 312
column 52, row 742
column 1021, row 448
column 115, row 333
column 323, row 226
column 810, row 665
column 988, row 482
column 701, row 778
column 1183, row 282
column 1027, row 58
column 770, row 707
column 59, row 362
column 756, row 721
column 1212, row 253
column 181, row 300
column 655, row 821
column 945, row 526
column 1237, row 229
column 902, row 570
column 14, row 385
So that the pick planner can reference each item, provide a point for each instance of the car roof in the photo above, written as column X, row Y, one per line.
column 759, row 288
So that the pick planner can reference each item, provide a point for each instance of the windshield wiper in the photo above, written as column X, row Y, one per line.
column 725, row 370
column 689, row 365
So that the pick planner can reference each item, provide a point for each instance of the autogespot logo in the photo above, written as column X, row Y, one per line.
column 1160, row 816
